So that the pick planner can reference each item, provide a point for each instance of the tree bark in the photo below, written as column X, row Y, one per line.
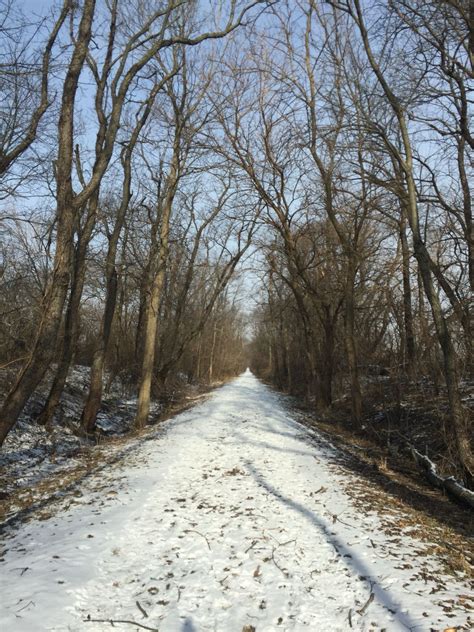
column 409, row 342
column 213, row 348
column 71, row 327
column 156, row 289
column 94, row 398
column 350, row 341
column 327, row 373
column 55, row 295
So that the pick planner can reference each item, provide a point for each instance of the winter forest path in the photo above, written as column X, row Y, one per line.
column 236, row 515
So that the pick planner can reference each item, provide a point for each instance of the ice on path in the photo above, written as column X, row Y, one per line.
column 224, row 520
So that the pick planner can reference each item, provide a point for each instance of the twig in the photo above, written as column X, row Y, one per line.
column 335, row 518
column 254, row 542
column 201, row 534
column 26, row 606
column 281, row 543
column 367, row 603
column 412, row 592
column 285, row 573
column 23, row 569
column 126, row 621
column 349, row 616
column 3, row 366
column 142, row 609
column 381, row 557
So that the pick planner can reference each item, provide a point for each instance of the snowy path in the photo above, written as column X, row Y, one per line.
column 226, row 520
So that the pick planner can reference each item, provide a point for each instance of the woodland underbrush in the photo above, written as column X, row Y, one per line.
column 399, row 416
column 34, row 452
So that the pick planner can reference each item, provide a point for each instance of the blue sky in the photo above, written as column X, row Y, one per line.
column 36, row 6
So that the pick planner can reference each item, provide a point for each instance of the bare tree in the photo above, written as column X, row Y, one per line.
column 118, row 73
column 20, row 72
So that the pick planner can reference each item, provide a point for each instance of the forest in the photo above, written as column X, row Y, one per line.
column 191, row 187
column 236, row 299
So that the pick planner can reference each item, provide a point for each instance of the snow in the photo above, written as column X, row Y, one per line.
column 234, row 515
column 32, row 453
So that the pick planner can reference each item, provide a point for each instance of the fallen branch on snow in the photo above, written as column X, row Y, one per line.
column 366, row 605
column 448, row 484
column 283, row 570
column 199, row 533
column 142, row 609
column 126, row 621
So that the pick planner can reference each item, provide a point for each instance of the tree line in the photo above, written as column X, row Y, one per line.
column 120, row 232
column 360, row 144
column 148, row 149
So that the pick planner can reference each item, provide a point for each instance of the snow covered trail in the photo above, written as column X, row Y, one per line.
column 235, row 516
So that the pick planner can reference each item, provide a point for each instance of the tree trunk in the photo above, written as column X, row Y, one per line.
column 289, row 373
column 55, row 296
column 156, row 290
column 151, row 324
column 410, row 350
column 45, row 343
column 94, row 398
column 327, row 374
column 71, row 327
column 199, row 354
column 350, row 342
column 213, row 348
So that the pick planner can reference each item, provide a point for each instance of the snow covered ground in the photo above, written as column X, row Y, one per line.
column 235, row 516
column 32, row 453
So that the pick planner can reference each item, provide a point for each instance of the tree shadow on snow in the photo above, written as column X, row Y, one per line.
column 421, row 498
column 361, row 570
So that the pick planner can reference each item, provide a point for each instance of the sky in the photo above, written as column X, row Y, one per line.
column 247, row 283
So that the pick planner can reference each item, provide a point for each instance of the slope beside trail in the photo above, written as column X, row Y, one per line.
column 236, row 516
